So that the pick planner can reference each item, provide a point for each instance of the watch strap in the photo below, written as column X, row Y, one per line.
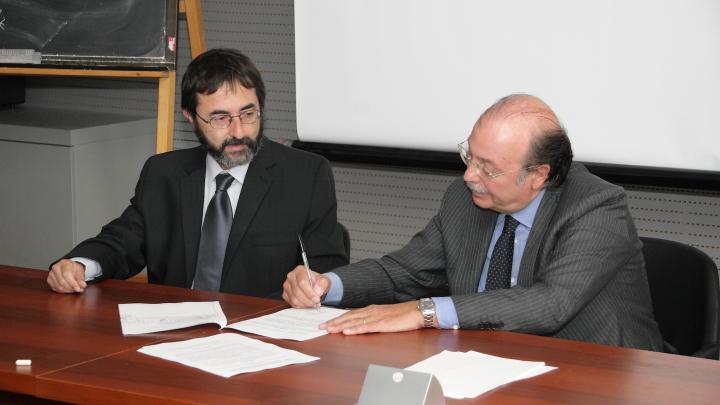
column 427, row 309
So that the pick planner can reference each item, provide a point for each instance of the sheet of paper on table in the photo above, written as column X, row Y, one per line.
column 149, row 318
column 292, row 323
column 469, row 374
column 227, row 354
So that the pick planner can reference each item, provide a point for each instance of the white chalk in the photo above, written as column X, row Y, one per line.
column 23, row 362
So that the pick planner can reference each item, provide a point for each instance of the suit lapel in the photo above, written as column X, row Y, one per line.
column 537, row 236
column 257, row 183
column 478, row 244
column 192, row 188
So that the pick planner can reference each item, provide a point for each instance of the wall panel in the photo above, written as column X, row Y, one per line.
column 382, row 206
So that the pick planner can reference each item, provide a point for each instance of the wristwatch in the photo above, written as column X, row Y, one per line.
column 426, row 306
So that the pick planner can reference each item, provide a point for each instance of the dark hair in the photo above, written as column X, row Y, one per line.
column 210, row 70
column 553, row 148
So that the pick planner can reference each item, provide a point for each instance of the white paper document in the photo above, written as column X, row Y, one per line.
column 227, row 354
column 149, row 318
column 467, row 375
column 293, row 323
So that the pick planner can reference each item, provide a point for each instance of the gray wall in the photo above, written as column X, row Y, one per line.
column 382, row 206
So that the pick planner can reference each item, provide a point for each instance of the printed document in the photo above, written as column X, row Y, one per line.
column 227, row 354
column 293, row 323
column 467, row 375
column 149, row 318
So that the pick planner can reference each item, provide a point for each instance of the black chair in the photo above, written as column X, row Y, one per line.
column 686, row 297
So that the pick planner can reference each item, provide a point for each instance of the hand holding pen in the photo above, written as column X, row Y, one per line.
column 307, row 266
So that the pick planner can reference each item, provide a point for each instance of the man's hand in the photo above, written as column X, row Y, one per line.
column 377, row 318
column 67, row 276
column 297, row 291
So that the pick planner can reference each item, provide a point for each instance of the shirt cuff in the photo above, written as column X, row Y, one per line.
column 446, row 313
column 93, row 269
column 335, row 293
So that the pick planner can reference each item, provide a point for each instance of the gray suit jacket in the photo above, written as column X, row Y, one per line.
column 582, row 274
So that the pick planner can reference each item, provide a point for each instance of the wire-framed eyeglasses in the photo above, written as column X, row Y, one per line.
column 481, row 168
column 223, row 121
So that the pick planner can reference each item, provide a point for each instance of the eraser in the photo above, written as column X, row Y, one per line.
column 23, row 362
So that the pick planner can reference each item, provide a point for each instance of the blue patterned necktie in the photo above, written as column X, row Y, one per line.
column 214, row 237
column 500, row 268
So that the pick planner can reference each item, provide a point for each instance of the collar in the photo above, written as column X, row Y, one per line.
column 526, row 216
column 212, row 169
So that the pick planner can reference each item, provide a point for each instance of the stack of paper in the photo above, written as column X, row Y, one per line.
column 227, row 354
column 469, row 374
column 149, row 318
column 292, row 323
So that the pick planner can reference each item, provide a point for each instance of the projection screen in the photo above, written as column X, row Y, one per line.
column 635, row 82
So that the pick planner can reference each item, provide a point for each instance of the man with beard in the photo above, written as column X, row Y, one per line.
column 224, row 216
column 526, row 241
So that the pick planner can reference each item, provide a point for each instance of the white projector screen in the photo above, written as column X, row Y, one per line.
column 635, row 82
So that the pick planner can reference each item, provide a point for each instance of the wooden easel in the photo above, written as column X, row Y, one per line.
column 196, row 29
column 166, row 79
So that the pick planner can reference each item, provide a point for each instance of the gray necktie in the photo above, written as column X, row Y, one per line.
column 500, row 268
column 214, row 237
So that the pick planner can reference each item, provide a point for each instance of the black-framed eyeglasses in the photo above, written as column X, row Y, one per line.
column 481, row 168
column 223, row 121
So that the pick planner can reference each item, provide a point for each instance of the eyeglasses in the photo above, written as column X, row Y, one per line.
column 482, row 169
column 223, row 121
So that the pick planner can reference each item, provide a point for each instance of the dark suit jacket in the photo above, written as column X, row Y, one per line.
column 582, row 274
column 286, row 192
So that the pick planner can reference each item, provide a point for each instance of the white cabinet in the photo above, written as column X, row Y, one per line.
column 63, row 175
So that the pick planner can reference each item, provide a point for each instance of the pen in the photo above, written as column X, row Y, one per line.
column 305, row 262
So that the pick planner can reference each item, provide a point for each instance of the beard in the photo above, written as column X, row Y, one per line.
column 227, row 160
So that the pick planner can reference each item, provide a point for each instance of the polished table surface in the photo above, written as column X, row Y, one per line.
column 57, row 331
column 79, row 355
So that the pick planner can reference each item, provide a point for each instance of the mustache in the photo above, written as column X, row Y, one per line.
column 476, row 187
column 242, row 141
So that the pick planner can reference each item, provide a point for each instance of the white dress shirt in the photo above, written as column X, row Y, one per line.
column 212, row 169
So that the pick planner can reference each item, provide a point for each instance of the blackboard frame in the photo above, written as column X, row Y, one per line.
column 70, row 37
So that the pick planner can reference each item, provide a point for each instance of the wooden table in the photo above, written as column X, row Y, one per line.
column 79, row 355
column 57, row 331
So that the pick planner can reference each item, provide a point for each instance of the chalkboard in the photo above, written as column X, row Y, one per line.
column 134, row 34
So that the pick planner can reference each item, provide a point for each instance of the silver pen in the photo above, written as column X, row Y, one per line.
column 305, row 262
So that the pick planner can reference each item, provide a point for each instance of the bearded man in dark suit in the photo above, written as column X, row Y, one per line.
column 274, row 193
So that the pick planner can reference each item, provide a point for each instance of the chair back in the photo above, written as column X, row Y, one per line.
column 346, row 239
column 686, row 296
